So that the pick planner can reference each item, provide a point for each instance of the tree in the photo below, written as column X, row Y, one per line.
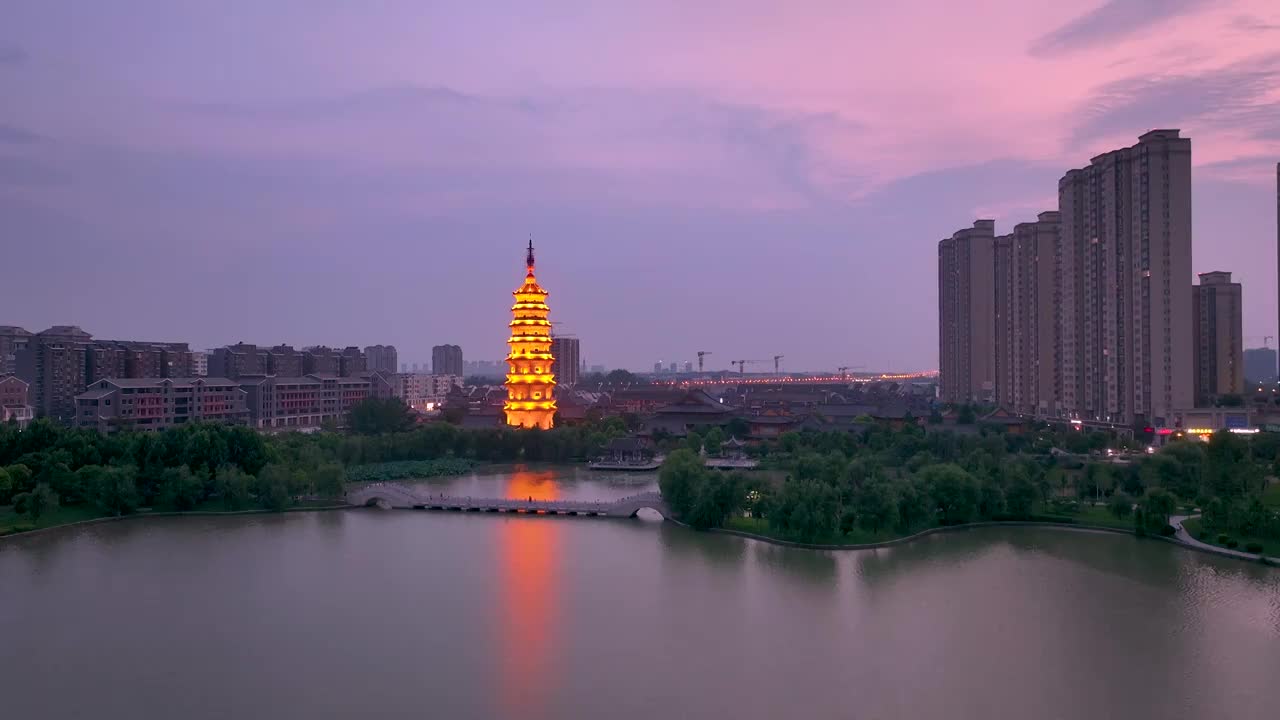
column 40, row 501
column 1157, row 506
column 273, row 487
column 234, row 487
column 1120, row 505
column 966, row 416
column 330, row 480
column 715, row 496
column 807, row 510
column 115, row 490
column 876, row 506
column 380, row 416
column 180, row 489
column 20, row 480
column 678, row 478
column 953, row 490
column 713, row 440
column 1021, row 495
column 739, row 428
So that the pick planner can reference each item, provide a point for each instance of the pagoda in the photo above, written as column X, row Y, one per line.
column 531, row 384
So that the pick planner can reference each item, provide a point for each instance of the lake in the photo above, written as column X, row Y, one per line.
column 403, row 614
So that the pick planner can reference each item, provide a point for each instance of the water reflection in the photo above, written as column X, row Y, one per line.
column 529, row 551
column 531, row 485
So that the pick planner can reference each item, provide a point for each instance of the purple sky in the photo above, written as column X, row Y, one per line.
column 750, row 178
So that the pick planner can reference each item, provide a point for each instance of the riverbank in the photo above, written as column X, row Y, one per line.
column 89, row 518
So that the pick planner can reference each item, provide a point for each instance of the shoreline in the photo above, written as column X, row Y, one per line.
column 1204, row 548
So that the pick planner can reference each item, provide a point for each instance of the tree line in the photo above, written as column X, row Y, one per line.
column 884, row 482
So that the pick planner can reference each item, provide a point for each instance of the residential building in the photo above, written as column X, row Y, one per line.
column 1218, row 330
column 567, row 364
column 966, row 314
column 382, row 358
column 1029, row 334
column 303, row 403
column 1126, row 292
column 199, row 363
column 12, row 340
column 113, row 404
column 321, row 360
column 54, row 364
column 352, row 362
column 422, row 391
column 241, row 359
column 15, row 402
column 1260, row 365
column 446, row 360
column 284, row 360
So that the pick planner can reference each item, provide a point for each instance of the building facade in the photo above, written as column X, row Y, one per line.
column 15, row 401
column 567, row 364
column 1218, row 328
column 1260, row 365
column 1126, row 283
column 12, row 340
column 446, row 360
column 148, row 404
column 966, row 315
column 424, row 392
column 382, row 358
column 199, row 363
column 54, row 363
column 303, row 403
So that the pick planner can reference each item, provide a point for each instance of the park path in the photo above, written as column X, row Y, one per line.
column 1185, row 537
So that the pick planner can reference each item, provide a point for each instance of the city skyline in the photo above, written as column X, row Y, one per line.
column 373, row 195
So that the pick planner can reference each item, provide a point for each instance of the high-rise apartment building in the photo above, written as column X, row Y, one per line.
column 235, row 361
column 382, row 358
column 446, row 360
column 966, row 315
column 1028, row 335
column 199, row 363
column 1126, row 283
column 567, row 364
column 1219, row 345
column 1260, row 365
column 12, row 340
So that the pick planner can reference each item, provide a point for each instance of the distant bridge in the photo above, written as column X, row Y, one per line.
column 397, row 495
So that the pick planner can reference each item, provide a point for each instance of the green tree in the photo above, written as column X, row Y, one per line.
column 180, row 489
column 678, row 479
column 806, row 510
column 330, row 480
column 1021, row 495
column 739, row 428
column 715, row 496
column 115, row 490
column 1120, row 505
column 21, row 480
column 38, row 502
column 876, row 505
column 380, row 416
column 713, row 440
column 953, row 490
column 1157, row 506
column 273, row 487
column 234, row 487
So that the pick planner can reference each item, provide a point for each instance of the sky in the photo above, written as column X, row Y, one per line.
column 750, row 178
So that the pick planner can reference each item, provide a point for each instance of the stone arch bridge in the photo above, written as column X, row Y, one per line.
column 401, row 496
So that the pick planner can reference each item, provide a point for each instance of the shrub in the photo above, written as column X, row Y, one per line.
column 1233, row 543
column 1168, row 531
column 1254, row 547
column 1223, row 538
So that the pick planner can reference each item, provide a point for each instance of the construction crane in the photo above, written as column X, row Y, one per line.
column 742, row 364
column 702, row 354
column 776, row 358
column 844, row 369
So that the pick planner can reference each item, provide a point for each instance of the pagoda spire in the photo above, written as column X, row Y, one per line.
column 528, row 258
column 531, row 380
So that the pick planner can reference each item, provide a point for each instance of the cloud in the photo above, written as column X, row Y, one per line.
column 1111, row 21
column 12, row 56
column 16, row 135
column 1231, row 98
column 1253, row 24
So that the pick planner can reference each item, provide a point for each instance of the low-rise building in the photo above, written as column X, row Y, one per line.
column 15, row 401
column 303, row 403
column 113, row 404
column 424, row 392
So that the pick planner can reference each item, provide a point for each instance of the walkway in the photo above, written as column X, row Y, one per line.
column 398, row 495
column 1185, row 537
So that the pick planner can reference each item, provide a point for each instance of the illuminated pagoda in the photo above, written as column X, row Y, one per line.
column 530, row 383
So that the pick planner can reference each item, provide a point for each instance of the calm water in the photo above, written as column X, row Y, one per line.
column 400, row 614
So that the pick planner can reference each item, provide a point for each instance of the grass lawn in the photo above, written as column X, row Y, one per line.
column 760, row 526
column 1269, row 546
column 1271, row 496
column 1099, row 515
column 12, row 522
